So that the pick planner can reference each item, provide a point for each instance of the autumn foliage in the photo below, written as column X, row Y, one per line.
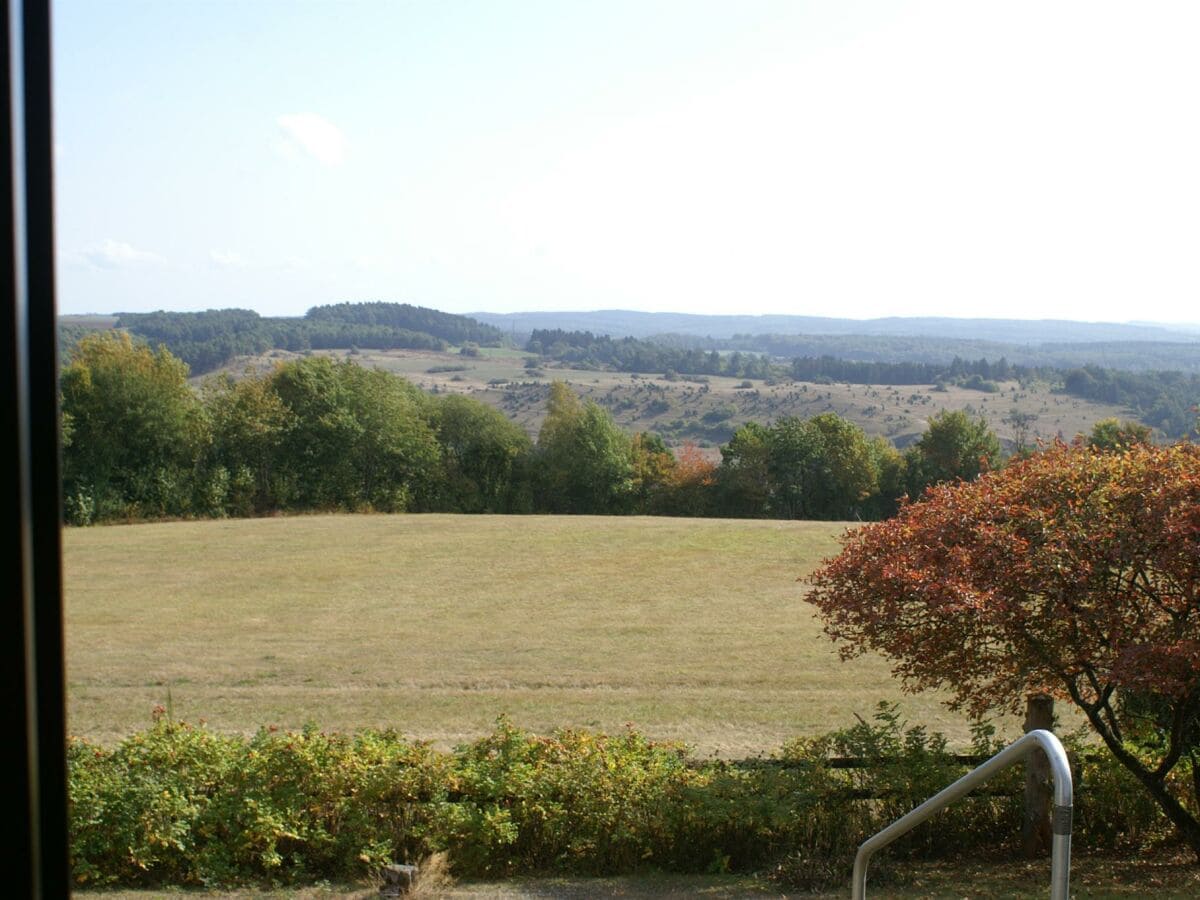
column 1074, row 572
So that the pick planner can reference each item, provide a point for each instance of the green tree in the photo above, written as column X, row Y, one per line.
column 249, row 424
column 137, row 432
column 954, row 447
column 1113, row 434
column 396, row 455
column 841, row 473
column 1020, row 422
column 358, row 437
column 584, row 460
column 793, row 458
column 742, row 478
column 891, row 474
column 818, row 468
column 484, row 457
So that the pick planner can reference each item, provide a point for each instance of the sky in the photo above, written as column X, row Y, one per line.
column 842, row 158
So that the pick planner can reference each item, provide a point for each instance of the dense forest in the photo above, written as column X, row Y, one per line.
column 829, row 368
column 206, row 340
column 584, row 350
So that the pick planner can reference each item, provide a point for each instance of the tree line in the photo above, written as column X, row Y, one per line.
column 582, row 349
column 318, row 434
column 817, row 368
column 206, row 340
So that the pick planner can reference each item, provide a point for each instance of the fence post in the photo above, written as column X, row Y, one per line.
column 1035, row 825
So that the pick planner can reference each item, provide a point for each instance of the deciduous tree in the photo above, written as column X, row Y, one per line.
column 249, row 424
column 691, row 483
column 483, row 456
column 136, row 430
column 357, row 437
column 653, row 467
column 743, row 479
column 955, row 446
column 1074, row 572
column 585, row 460
column 1113, row 434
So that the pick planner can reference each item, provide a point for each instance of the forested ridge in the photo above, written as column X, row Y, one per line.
column 582, row 349
column 206, row 340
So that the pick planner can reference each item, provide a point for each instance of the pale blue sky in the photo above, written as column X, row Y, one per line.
column 1018, row 159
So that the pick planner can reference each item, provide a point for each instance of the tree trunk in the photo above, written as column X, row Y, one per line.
column 1184, row 821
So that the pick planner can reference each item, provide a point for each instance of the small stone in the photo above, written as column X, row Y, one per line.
column 397, row 879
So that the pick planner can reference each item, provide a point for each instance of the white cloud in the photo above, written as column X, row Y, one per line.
column 226, row 259
column 315, row 135
column 111, row 254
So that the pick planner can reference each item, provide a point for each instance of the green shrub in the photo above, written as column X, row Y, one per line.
column 135, row 810
column 575, row 802
column 176, row 804
column 1112, row 811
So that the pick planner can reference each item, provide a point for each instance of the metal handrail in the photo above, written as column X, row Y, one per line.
column 1060, row 852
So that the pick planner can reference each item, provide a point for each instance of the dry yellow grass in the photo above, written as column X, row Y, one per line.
column 435, row 624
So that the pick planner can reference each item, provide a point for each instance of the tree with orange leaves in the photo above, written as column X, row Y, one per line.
column 1075, row 572
column 691, row 482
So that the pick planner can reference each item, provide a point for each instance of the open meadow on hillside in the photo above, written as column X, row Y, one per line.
column 694, row 630
column 708, row 409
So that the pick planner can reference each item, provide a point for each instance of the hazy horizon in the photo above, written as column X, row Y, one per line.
column 1182, row 324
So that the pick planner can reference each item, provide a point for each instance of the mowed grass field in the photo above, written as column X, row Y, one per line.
column 434, row 625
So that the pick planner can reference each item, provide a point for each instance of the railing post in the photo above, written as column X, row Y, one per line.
column 1035, row 823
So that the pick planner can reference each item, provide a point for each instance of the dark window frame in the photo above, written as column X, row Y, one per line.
column 31, row 621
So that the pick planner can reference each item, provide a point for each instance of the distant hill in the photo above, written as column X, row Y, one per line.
column 628, row 323
column 453, row 329
column 206, row 340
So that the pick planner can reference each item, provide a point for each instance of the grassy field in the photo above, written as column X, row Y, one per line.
column 691, row 629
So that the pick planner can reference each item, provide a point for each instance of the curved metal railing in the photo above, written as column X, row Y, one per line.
column 1060, row 767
